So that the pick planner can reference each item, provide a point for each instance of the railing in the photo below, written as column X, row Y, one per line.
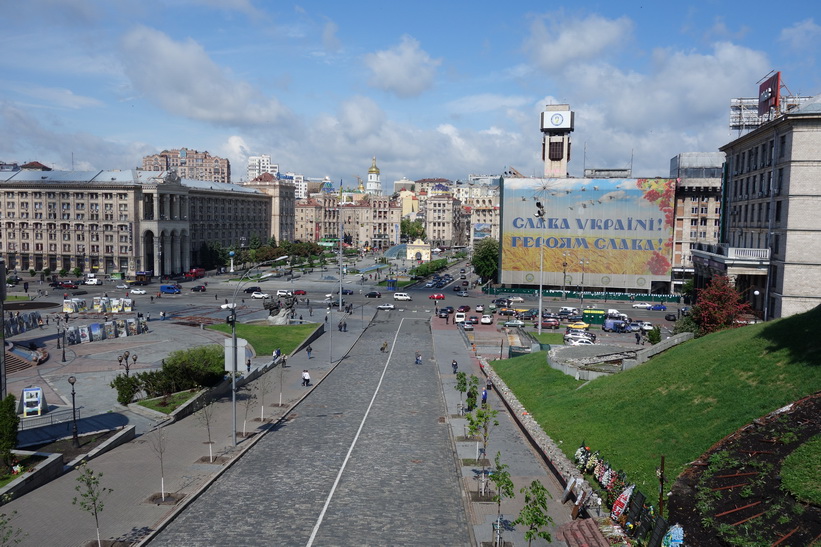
column 50, row 418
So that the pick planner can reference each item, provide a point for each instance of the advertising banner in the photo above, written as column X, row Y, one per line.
column 613, row 232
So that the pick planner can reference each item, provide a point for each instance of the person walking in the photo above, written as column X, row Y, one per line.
column 339, row 326
column 384, row 347
column 306, row 378
column 638, row 338
column 308, row 350
column 248, row 365
column 310, row 311
column 344, row 326
column 484, row 397
column 418, row 358
column 454, row 365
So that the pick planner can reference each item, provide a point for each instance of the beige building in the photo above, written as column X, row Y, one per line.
column 444, row 221
column 122, row 221
column 190, row 164
column 283, row 204
column 370, row 221
column 770, row 240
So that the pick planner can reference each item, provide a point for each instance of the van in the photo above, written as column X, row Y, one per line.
column 614, row 325
column 569, row 310
column 459, row 317
column 170, row 289
column 401, row 296
column 94, row 281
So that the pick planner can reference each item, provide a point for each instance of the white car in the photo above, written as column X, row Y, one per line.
column 642, row 305
column 228, row 306
column 480, row 308
column 280, row 292
column 578, row 342
column 137, row 291
column 385, row 307
column 122, row 285
column 516, row 299
column 486, row 320
column 646, row 326
column 262, row 295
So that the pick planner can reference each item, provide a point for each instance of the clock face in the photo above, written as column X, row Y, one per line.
column 556, row 119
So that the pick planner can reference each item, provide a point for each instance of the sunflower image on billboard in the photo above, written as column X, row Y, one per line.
column 615, row 232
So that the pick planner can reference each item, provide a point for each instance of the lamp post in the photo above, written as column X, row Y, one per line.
column 75, row 441
column 564, row 275
column 58, row 337
column 64, row 345
column 540, row 216
column 584, row 263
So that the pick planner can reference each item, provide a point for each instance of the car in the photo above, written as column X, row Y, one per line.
column 461, row 270
column 486, row 319
column 301, row 292
column 403, row 296
column 78, row 293
column 449, row 309
column 464, row 308
column 646, row 326
column 260, row 295
column 250, row 290
column 228, row 305
column 442, row 314
column 671, row 317
column 507, row 311
column 430, row 284
column 473, row 319
column 578, row 325
column 457, row 288
column 574, row 318
column 462, row 293
column 658, row 307
column 635, row 326
column 386, row 306
column 345, row 291
column 549, row 323
column 119, row 286
column 579, row 342
column 195, row 288
column 284, row 292
column 480, row 308
column 373, row 294
column 463, row 276
column 437, row 296
column 642, row 305
column 55, row 284
column 465, row 283
column 501, row 302
column 137, row 291
column 516, row 299
column 578, row 334
column 684, row 310
column 513, row 323
column 332, row 302
column 440, row 285
column 467, row 325
column 529, row 315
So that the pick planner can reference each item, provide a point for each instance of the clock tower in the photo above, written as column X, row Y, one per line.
column 557, row 124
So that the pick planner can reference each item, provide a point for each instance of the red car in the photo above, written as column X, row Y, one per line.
column 68, row 285
column 300, row 292
column 464, row 308
column 437, row 296
column 548, row 323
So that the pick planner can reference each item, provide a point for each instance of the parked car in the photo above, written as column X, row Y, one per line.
column 480, row 308
column 437, row 296
column 250, row 290
column 486, row 319
column 373, row 294
column 671, row 317
column 442, row 314
column 386, row 306
column 685, row 310
column 300, row 292
column 195, row 288
column 467, row 325
column 137, row 291
column 635, row 326
column 462, row 293
column 284, row 292
column 516, row 299
column 646, row 326
column 579, row 334
column 549, row 323
column 579, row 342
column 473, row 320
column 658, row 307
column 464, row 308
column 529, row 315
column 260, row 295
column 642, row 305
column 507, row 311
column 430, row 284
column 578, row 325
column 513, row 323
column 449, row 309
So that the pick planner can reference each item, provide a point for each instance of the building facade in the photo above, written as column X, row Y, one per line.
column 122, row 222
column 771, row 231
column 258, row 165
column 283, row 204
column 190, row 164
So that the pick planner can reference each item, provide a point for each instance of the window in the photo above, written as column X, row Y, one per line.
column 782, row 146
column 704, row 210
column 694, row 210
column 693, row 222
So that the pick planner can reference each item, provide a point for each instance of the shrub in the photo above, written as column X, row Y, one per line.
column 126, row 386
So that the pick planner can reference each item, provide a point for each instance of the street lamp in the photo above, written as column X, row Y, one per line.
column 64, row 345
column 564, row 275
column 584, row 264
column 540, row 215
column 75, row 441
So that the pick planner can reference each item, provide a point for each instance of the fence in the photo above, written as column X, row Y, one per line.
column 50, row 418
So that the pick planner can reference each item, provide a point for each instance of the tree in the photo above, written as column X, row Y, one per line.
column 159, row 442
column 32, row 272
column 486, row 258
column 248, row 404
column 654, row 336
column 480, row 422
column 9, row 422
column 412, row 229
column 461, row 384
column 47, row 272
column 534, row 513
column 473, row 392
column 718, row 306
column 77, row 271
column 688, row 290
column 204, row 416
column 504, row 489
column 91, row 495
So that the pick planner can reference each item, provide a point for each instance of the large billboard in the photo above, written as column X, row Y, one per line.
column 615, row 233
column 769, row 94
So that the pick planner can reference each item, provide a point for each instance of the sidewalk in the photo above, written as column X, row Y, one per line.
column 132, row 470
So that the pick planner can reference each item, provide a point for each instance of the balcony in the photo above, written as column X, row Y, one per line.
column 721, row 258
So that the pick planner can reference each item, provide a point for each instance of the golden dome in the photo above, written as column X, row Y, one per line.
column 374, row 169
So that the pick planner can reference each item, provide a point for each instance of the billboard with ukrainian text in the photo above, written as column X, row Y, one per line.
column 600, row 233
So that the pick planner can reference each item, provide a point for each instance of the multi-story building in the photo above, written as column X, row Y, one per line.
column 190, row 164
column 122, row 221
column 444, row 220
column 283, row 202
column 484, row 217
column 372, row 221
column 257, row 165
column 771, row 230
column 698, row 208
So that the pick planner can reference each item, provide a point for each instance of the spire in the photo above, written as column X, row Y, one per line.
column 374, row 169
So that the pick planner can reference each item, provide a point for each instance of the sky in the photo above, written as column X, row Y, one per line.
column 431, row 89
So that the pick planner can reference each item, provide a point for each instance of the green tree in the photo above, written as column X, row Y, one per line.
column 718, row 306
column 481, row 421
column 272, row 242
column 412, row 229
column 91, row 495
column 473, row 392
column 503, row 485
column 47, row 272
column 688, row 290
column 486, row 258
column 77, row 271
column 32, row 272
column 654, row 336
column 63, row 272
column 255, row 242
column 534, row 513
column 9, row 422
column 461, row 384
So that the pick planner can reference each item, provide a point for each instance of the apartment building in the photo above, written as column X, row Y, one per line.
column 283, row 204
column 190, row 164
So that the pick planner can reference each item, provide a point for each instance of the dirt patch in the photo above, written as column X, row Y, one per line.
column 169, row 499
column 69, row 452
column 217, row 460
column 733, row 493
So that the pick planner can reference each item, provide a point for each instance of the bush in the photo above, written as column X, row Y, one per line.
column 127, row 387
column 654, row 336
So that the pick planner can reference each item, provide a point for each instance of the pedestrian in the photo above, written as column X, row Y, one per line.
column 311, row 311
column 308, row 350
column 248, row 365
column 384, row 347
column 484, row 397
column 418, row 358
column 339, row 326
column 638, row 338
column 126, row 294
column 162, row 316
column 152, row 298
column 47, row 320
column 454, row 365
column 148, row 316
column 306, row 378
column 215, row 297
column 66, row 318
column 300, row 318
column 447, row 319
column 489, row 384
column 226, row 300
column 40, row 323
column 344, row 326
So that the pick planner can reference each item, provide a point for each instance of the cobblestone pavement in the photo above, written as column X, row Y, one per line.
column 367, row 459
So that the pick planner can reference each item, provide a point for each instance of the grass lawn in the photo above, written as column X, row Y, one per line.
column 554, row 337
column 266, row 338
column 169, row 404
column 678, row 404
column 13, row 297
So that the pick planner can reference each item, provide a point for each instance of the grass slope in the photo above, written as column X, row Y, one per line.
column 266, row 338
column 678, row 404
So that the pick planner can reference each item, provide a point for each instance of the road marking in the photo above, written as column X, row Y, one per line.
column 353, row 443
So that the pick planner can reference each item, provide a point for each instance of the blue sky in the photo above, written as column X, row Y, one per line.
column 432, row 89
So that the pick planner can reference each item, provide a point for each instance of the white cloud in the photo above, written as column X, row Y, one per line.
column 558, row 41
column 181, row 78
column 803, row 36
column 405, row 70
column 329, row 38
column 486, row 102
column 54, row 96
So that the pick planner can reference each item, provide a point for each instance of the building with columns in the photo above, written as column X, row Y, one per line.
column 122, row 222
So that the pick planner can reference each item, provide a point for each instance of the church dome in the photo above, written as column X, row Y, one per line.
column 374, row 169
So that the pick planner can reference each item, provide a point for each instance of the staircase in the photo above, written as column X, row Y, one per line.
column 15, row 363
